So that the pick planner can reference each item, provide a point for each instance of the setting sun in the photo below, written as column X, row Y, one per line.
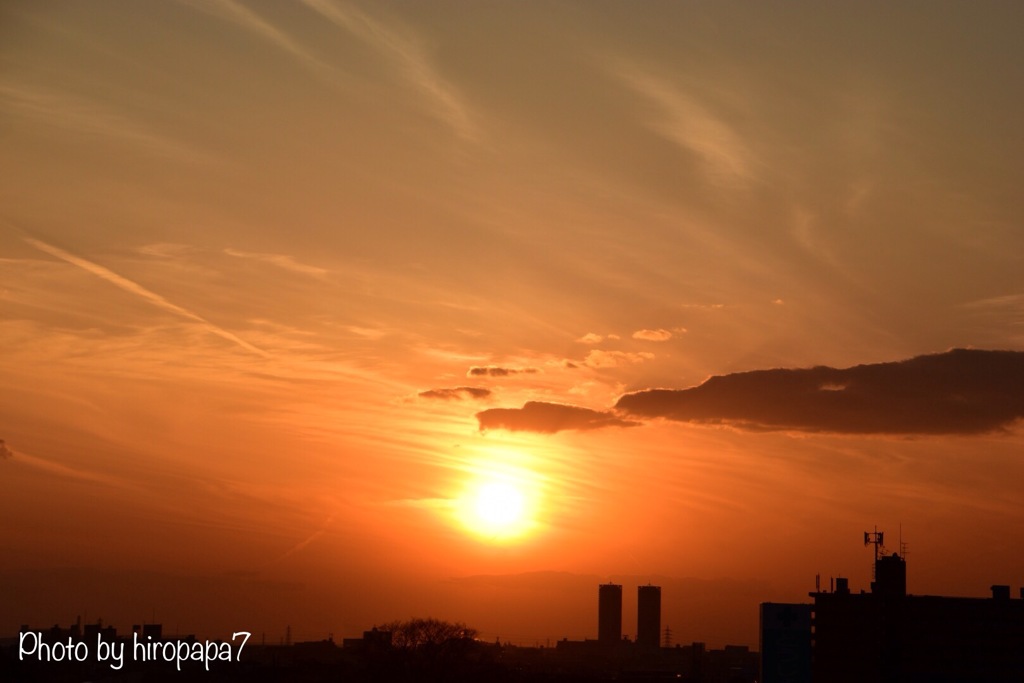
column 497, row 509
column 499, row 505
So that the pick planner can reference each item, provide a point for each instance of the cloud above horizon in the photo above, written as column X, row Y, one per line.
column 495, row 371
column 689, row 121
column 548, row 418
column 961, row 391
column 653, row 335
column 456, row 393
column 143, row 293
column 599, row 358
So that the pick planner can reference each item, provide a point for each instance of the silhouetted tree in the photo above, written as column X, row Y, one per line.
column 426, row 650
column 417, row 633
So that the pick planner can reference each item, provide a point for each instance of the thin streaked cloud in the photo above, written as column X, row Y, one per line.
column 309, row 539
column 690, row 124
column 1004, row 302
column 164, row 249
column 244, row 18
column 399, row 46
column 405, row 51
column 75, row 473
column 280, row 260
column 79, row 115
column 141, row 292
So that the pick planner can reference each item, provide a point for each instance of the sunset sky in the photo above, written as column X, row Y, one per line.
column 324, row 314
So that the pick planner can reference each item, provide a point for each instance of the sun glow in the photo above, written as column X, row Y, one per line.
column 499, row 507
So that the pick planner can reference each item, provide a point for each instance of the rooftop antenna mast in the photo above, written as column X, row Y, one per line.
column 875, row 538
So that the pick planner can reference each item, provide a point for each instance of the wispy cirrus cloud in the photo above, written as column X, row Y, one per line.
column 405, row 52
column 280, row 260
column 398, row 46
column 691, row 125
column 316, row 534
column 59, row 469
column 164, row 249
column 143, row 293
column 1001, row 303
column 1005, row 310
column 63, row 110
column 241, row 16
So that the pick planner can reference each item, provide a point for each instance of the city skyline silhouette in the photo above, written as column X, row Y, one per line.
column 884, row 634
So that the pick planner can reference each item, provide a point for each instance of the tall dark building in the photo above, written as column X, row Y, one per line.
column 609, row 613
column 648, row 616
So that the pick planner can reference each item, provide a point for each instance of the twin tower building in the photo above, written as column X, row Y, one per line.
column 648, row 615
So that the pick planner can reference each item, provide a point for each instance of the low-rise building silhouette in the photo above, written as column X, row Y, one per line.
column 886, row 634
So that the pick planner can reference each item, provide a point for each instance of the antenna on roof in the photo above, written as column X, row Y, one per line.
column 875, row 538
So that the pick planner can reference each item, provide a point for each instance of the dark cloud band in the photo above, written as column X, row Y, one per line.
column 957, row 392
column 548, row 418
column 456, row 393
column 495, row 371
column 961, row 391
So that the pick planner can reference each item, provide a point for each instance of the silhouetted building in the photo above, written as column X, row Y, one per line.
column 590, row 660
column 323, row 651
column 92, row 632
column 888, row 635
column 648, row 616
column 609, row 613
column 785, row 643
column 373, row 639
column 891, row 577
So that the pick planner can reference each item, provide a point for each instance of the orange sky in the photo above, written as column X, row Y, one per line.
column 251, row 253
